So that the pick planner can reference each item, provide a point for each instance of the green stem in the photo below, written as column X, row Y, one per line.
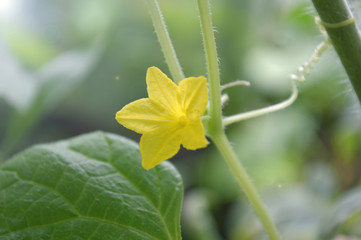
column 244, row 181
column 215, row 127
column 345, row 39
column 215, row 106
column 164, row 40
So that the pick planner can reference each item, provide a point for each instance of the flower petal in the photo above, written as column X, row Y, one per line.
column 143, row 116
column 194, row 96
column 160, row 145
column 162, row 90
column 193, row 136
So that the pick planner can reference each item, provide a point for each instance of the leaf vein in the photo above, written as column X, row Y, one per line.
column 47, row 187
column 141, row 191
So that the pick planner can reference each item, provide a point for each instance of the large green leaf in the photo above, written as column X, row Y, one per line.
column 88, row 187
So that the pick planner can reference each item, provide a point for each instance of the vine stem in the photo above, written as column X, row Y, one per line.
column 165, row 41
column 345, row 36
column 214, row 84
column 245, row 183
column 215, row 127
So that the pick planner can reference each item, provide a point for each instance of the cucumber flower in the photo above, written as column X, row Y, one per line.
column 168, row 118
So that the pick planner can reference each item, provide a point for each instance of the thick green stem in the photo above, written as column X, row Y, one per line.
column 215, row 107
column 346, row 39
column 164, row 40
column 244, row 181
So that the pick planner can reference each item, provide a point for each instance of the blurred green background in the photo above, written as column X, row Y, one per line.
column 67, row 66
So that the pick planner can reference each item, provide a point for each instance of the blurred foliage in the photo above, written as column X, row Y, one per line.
column 68, row 66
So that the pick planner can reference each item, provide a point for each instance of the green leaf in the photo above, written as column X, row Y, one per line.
column 88, row 187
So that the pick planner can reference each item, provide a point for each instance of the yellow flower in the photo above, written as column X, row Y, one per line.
column 171, row 116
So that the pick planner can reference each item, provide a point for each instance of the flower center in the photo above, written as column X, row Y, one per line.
column 183, row 120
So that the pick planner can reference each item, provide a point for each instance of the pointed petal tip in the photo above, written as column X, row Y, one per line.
column 118, row 113
column 202, row 78
column 147, row 165
column 119, row 116
column 153, row 69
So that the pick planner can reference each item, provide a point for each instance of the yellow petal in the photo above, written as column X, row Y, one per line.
column 162, row 90
column 160, row 145
column 194, row 96
column 193, row 136
column 143, row 116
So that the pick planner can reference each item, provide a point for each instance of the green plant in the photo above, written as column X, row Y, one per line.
column 93, row 186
